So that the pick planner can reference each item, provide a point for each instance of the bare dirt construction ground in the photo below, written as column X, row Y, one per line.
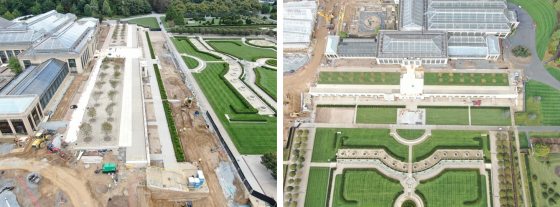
column 103, row 32
column 335, row 115
column 298, row 82
column 197, row 141
column 43, row 194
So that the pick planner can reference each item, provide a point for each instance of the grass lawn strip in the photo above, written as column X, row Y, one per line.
column 455, row 188
column 490, row 116
column 544, row 15
column 318, row 187
column 327, row 142
column 149, row 22
column 541, row 107
column 360, row 78
column 266, row 80
column 250, row 138
column 365, row 188
column 185, row 46
column 554, row 71
column 447, row 139
column 191, row 62
column 239, row 50
column 544, row 174
column 410, row 134
column 377, row 114
column 447, row 115
column 466, row 79
column 271, row 62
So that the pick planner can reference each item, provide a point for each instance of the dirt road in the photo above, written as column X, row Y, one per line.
column 67, row 180
column 298, row 82
column 196, row 140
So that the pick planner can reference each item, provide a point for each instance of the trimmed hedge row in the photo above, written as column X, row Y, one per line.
column 150, row 46
column 246, row 118
column 194, row 47
column 175, row 139
column 248, row 108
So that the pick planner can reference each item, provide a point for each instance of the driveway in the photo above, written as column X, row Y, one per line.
column 525, row 35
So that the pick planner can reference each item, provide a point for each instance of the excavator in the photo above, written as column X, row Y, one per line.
column 328, row 16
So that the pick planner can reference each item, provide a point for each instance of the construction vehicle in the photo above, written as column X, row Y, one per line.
column 328, row 16
column 39, row 141
column 34, row 177
column 109, row 167
column 188, row 102
column 295, row 114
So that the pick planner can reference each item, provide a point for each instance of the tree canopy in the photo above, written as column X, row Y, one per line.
column 14, row 65
column 13, row 8
column 269, row 161
column 541, row 150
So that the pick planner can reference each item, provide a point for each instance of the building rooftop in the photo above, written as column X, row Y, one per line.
column 68, row 39
column 412, row 15
column 33, row 29
column 299, row 19
column 35, row 79
column 396, row 44
column 15, row 104
column 354, row 47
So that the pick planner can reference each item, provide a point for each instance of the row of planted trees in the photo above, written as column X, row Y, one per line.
column 508, row 173
column 113, row 80
column 295, row 169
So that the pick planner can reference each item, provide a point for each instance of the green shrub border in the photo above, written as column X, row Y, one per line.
column 150, row 46
column 529, row 181
column 479, row 186
column 175, row 139
column 249, row 109
column 186, row 39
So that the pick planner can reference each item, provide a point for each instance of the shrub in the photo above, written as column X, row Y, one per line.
column 152, row 54
column 520, row 51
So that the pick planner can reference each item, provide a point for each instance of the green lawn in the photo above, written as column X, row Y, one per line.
column 266, row 80
column 185, row 46
column 365, row 188
column 410, row 134
column 541, row 105
column 491, row 116
column 318, row 187
column 377, row 114
column 239, row 50
column 149, row 22
column 455, row 188
column 447, row 115
column 544, row 174
column 191, row 62
column 250, row 138
column 271, row 62
column 466, row 79
column 447, row 139
column 554, row 71
column 360, row 78
column 544, row 15
column 327, row 142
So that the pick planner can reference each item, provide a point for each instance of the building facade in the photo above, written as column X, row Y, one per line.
column 19, row 115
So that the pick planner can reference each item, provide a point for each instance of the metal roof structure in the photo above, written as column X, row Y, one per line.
column 15, row 104
column 299, row 20
column 68, row 39
column 412, row 15
column 354, row 47
column 473, row 46
column 29, row 31
column 469, row 15
column 36, row 79
column 400, row 44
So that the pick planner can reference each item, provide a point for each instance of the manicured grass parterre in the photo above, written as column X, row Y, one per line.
column 377, row 114
column 365, row 188
column 266, row 80
column 360, row 78
column 185, row 46
column 149, row 22
column 544, row 15
column 318, row 187
column 490, row 116
column 541, row 105
column 466, row 79
column 447, row 115
column 447, row 139
column 239, row 50
column 328, row 141
column 411, row 134
column 191, row 62
column 454, row 188
column 250, row 138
